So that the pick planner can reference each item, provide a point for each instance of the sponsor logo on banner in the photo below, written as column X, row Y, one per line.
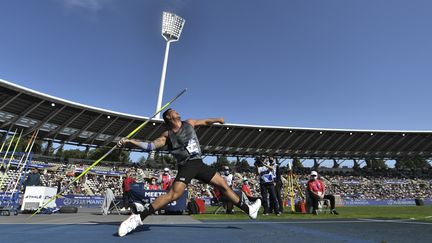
column 148, row 196
column 374, row 202
column 80, row 201
column 37, row 196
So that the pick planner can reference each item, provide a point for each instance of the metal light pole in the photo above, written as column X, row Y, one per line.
column 172, row 25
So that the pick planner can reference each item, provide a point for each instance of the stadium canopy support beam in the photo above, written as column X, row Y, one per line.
column 356, row 164
column 86, row 153
column 335, row 163
column 61, row 148
column 317, row 163
column 48, row 148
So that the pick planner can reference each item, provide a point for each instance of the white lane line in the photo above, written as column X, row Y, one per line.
column 394, row 221
column 287, row 222
column 243, row 223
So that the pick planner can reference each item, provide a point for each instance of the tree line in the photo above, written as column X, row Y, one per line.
column 161, row 160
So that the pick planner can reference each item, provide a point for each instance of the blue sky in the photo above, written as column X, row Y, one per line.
column 330, row 64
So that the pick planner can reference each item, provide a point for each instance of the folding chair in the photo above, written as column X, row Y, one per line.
column 220, row 208
column 324, row 206
column 110, row 203
column 223, row 200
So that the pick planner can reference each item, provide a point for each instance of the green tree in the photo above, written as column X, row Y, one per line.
column 59, row 151
column 220, row 163
column 120, row 155
column 376, row 164
column 412, row 163
column 297, row 164
column 241, row 165
column 164, row 160
column 73, row 154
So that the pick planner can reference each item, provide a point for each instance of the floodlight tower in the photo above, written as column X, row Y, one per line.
column 172, row 26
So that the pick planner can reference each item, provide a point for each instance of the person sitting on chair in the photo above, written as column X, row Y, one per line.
column 127, row 196
column 246, row 190
column 316, row 190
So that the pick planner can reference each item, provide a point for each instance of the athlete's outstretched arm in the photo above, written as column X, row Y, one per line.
column 147, row 145
column 206, row 122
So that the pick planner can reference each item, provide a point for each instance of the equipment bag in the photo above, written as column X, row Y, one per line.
column 192, row 207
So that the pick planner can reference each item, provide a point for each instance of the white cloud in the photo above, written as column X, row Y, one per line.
column 93, row 5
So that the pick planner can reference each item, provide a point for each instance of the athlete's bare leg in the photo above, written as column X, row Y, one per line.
column 173, row 194
column 218, row 181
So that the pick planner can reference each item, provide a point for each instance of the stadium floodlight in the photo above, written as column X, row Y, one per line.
column 172, row 26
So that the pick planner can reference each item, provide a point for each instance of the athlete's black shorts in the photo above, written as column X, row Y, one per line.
column 195, row 169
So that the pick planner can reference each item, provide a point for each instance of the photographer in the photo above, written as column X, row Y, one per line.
column 266, row 175
column 279, row 184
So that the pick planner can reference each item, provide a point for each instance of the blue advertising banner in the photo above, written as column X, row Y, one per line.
column 102, row 172
column 80, row 201
column 373, row 202
column 39, row 166
column 5, row 199
column 148, row 196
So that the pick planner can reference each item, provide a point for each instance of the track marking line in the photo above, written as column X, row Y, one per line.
column 397, row 221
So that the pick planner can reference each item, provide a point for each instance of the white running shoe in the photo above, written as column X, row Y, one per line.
column 129, row 224
column 137, row 207
column 254, row 208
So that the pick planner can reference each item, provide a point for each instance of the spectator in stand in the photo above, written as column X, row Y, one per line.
column 165, row 179
column 33, row 178
column 127, row 196
column 153, row 185
column 316, row 191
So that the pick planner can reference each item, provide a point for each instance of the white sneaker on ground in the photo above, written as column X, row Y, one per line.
column 254, row 208
column 129, row 224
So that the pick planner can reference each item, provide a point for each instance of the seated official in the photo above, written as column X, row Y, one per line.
column 246, row 190
column 316, row 190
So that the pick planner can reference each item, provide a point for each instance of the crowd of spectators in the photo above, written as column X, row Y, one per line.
column 388, row 184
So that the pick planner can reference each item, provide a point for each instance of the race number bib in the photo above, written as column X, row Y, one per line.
column 193, row 147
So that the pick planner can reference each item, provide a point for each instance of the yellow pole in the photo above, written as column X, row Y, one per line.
column 7, row 150
column 10, row 160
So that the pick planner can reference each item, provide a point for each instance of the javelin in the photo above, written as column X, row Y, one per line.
column 10, row 160
column 26, row 154
column 7, row 150
column 107, row 153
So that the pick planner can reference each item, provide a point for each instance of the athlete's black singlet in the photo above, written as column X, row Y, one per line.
column 184, row 144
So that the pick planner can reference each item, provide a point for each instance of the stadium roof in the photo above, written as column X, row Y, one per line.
column 65, row 121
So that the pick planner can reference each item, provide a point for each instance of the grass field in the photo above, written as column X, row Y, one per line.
column 423, row 213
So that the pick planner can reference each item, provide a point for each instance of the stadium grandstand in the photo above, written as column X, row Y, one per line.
column 69, row 122
column 66, row 122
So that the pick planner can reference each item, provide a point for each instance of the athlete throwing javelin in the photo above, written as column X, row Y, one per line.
column 183, row 144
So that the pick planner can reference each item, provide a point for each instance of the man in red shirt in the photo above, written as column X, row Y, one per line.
column 127, row 197
column 165, row 179
column 316, row 190
column 246, row 190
